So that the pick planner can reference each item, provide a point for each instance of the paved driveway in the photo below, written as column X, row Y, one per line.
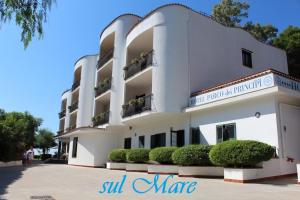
column 68, row 182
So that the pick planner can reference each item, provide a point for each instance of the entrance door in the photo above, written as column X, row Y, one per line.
column 290, row 129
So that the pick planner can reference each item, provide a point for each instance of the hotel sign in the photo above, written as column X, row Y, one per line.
column 259, row 83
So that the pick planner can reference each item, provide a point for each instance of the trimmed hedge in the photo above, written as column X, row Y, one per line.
column 240, row 153
column 118, row 155
column 192, row 155
column 138, row 155
column 162, row 155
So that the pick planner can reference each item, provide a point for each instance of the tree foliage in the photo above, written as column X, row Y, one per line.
column 17, row 133
column 230, row 12
column 289, row 40
column 264, row 33
column 28, row 14
column 44, row 140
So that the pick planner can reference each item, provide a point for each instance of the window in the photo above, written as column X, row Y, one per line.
column 141, row 141
column 226, row 132
column 195, row 135
column 247, row 58
column 158, row 140
column 74, row 150
column 127, row 143
column 177, row 138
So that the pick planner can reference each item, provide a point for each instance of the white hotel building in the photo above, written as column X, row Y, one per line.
column 177, row 77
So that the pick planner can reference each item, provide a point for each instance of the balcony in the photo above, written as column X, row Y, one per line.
column 138, row 64
column 136, row 106
column 75, row 85
column 71, row 127
column 73, row 107
column 62, row 114
column 101, row 119
column 105, row 58
column 60, row 132
column 103, row 86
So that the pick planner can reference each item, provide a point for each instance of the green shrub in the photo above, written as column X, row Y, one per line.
column 240, row 153
column 138, row 155
column 163, row 155
column 192, row 155
column 118, row 155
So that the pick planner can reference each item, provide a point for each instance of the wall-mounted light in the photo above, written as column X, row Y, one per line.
column 257, row 114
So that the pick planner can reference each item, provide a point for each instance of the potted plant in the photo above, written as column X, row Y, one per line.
column 244, row 160
column 137, row 159
column 194, row 162
column 117, row 159
column 162, row 159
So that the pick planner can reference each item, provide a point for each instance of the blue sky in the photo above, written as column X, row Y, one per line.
column 33, row 79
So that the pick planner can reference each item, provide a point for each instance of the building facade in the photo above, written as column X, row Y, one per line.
column 142, row 90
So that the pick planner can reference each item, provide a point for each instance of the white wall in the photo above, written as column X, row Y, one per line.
column 93, row 148
column 248, row 127
column 86, row 90
column 215, row 53
column 160, row 123
column 67, row 95
column 120, row 27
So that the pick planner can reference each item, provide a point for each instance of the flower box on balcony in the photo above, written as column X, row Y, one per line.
column 101, row 119
column 138, row 64
column 105, row 58
column 62, row 114
column 75, row 84
column 73, row 107
column 103, row 86
column 136, row 106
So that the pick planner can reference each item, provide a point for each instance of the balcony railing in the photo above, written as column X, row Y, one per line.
column 71, row 127
column 138, row 64
column 136, row 106
column 62, row 114
column 103, row 87
column 73, row 107
column 60, row 132
column 101, row 119
column 75, row 85
column 106, row 57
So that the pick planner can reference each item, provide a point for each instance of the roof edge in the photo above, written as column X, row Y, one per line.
column 244, row 78
column 96, row 54
column 115, row 19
